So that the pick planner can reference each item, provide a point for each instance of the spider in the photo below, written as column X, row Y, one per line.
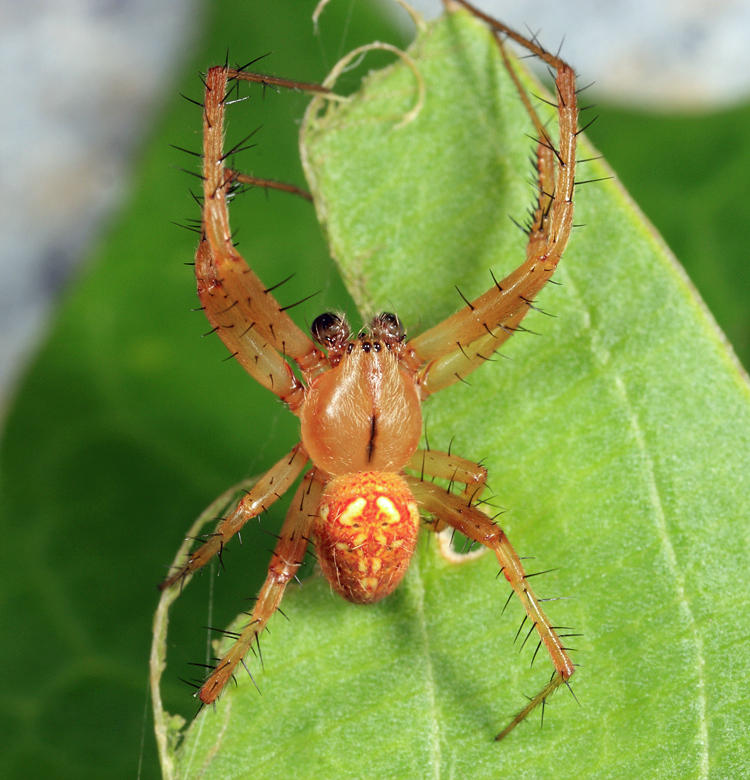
column 358, row 395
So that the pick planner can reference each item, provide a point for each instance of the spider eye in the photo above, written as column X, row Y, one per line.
column 388, row 327
column 330, row 330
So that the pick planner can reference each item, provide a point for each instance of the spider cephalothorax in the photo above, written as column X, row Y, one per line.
column 363, row 413
column 358, row 397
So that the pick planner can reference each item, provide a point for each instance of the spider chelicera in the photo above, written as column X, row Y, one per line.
column 358, row 396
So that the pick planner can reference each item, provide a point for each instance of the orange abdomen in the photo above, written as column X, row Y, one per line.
column 365, row 534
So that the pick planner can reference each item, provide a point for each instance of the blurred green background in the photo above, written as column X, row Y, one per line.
column 128, row 423
column 687, row 173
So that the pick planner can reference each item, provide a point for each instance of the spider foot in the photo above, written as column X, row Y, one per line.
column 557, row 680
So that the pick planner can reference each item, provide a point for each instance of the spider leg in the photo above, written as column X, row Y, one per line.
column 268, row 184
column 446, row 465
column 286, row 560
column 270, row 487
column 458, row 513
column 464, row 341
column 557, row 680
column 244, row 313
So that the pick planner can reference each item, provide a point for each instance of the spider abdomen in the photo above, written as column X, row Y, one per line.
column 365, row 534
column 362, row 415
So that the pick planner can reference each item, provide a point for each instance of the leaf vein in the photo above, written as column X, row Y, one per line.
column 603, row 357
column 429, row 672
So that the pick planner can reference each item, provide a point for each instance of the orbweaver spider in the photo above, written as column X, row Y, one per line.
column 358, row 396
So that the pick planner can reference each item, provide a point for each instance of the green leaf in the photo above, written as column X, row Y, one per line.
column 128, row 423
column 682, row 171
column 618, row 441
